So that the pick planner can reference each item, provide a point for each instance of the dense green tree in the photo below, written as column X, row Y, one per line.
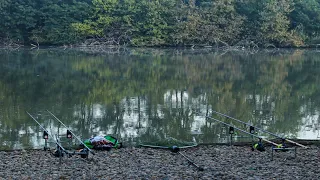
column 140, row 22
column 161, row 22
column 47, row 21
column 187, row 25
column 274, row 21
column 268, row 22
column 305, row 18
column 222, row 22
column 55, row 19
column 18, row 19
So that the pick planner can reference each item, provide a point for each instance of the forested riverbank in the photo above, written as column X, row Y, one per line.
column 216, row 23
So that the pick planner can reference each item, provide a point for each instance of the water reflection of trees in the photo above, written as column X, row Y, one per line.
column 145, row 98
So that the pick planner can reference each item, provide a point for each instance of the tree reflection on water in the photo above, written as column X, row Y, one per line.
column 144, row 97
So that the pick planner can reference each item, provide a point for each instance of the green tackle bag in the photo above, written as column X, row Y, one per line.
column 116, row 143
column 113, row 140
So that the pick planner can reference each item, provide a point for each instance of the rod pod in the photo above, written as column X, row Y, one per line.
column 84, row 151
column 251, row 126
column 243, row 131
column 60, row 149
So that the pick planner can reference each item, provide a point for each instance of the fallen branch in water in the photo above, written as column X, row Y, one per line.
column 8, row 43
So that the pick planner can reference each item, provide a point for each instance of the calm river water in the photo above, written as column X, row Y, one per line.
column 150, row 95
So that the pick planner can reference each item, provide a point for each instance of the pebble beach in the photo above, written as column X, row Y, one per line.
column 218, row 162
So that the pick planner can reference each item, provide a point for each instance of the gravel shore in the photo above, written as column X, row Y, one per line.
column 219, row 162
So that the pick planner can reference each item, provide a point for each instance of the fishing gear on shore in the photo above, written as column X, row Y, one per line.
column 171, row 148
column 281, row 147
column 60, row 150
column 258, row 146
column 85, row 151
column 176, row 149
column 251, row 128
column 102, row 143
column 243, row 131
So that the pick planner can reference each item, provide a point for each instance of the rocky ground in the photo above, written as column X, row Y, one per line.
column 218, row 162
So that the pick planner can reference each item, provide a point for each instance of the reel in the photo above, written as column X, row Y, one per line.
column 84, row 153
column 258, row 146
column 58, row 153
column 175, row 149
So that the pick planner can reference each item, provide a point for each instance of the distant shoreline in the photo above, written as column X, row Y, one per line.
column 195, row 46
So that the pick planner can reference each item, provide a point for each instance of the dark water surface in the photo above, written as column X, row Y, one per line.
column 150, row 95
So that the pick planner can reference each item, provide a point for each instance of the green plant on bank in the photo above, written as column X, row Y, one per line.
column 305, row 18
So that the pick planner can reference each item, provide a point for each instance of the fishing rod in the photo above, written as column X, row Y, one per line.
column 260, row 138
column 73, row 134
column 176, row 149
column 197, row 166
column 166, row 147
column 283, row 138
column 59, row 146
